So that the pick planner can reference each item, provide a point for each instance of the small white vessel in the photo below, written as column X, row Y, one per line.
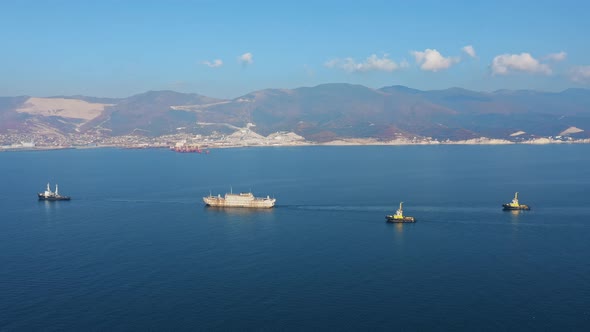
column 49, row 195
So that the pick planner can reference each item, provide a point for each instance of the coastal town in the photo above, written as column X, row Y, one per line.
column 240, row 138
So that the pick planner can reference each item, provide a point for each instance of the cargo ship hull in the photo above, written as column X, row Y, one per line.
column 243, row 200
column 59, row 198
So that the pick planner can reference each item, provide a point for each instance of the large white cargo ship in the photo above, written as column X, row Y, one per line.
column 245, row 200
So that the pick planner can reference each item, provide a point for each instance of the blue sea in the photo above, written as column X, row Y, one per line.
column 135, row 248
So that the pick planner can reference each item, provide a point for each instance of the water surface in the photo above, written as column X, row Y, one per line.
column 136, row 248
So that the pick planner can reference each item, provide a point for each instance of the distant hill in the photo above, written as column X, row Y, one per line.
column 151, row 113
column 9, row 118
column 321, row 113
column 100, row 100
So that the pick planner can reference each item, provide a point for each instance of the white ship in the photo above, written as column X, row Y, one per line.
column 49, row 195
column 245, row 200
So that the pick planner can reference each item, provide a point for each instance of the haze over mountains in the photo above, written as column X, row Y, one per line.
column 321, row 113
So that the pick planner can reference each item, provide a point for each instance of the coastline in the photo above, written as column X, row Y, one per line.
column 339, row 142
column 473, row 141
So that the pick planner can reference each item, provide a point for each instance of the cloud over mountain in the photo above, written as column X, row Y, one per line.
column 580, row 74
column 432, row 60
column 524, row 62
column 372, row 63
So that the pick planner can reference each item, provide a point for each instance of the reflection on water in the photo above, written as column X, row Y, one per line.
column 398, row 234
column 50, row 205
column 237, row 210
column 52, row 209
column 514, row 215
column 397, row 226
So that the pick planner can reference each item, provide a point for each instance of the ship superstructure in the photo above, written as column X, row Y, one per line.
column 245, row 200
column 49, row 195
column 515, row 205
column 399, row 216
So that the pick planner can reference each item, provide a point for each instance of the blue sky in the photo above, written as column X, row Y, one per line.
column 229, row 48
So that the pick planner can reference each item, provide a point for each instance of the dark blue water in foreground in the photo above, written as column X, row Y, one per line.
column 136, row 250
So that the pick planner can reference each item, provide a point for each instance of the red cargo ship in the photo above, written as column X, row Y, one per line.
column 186, row 148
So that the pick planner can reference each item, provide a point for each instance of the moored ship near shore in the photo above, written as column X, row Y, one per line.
column 49, row 195
column 184, row 147
column 245, row 200
column 188, row 149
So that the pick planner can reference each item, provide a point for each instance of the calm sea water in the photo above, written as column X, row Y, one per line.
column 136, row 249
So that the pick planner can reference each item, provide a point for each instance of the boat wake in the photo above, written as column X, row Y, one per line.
column 347, row 208
column 387, row 208
column 151, row 201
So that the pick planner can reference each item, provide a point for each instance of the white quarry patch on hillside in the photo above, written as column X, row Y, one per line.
column 543, row 140
column 218, row 124
column 571, row 130
column 481, row 140
column 197, row 108
column 244, row 135
column 67, row 108
column 518, row 133
column 285, row 136
column 247, row 137
column 555, row 140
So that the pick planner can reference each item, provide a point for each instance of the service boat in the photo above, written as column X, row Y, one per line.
column 515, row 205
column 49, row 195
column 242, row 200
column 399, row 217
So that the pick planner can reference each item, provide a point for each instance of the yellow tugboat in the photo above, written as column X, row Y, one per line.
column 399, row 216
column 515, row 205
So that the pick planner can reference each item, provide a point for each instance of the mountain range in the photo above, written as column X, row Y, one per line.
column 322, row 113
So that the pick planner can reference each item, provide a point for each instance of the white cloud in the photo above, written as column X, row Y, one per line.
column 469, row 50
column 213, row 64
column 524, row 62
column 246, row 58
column 432, row 60
column 332, row 63
column 580, row 74
column 372, row 63
column 556, row 56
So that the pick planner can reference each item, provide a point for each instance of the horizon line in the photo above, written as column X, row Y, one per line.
column 303, row 87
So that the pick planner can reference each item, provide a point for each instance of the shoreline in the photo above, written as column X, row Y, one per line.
column 341, row 142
